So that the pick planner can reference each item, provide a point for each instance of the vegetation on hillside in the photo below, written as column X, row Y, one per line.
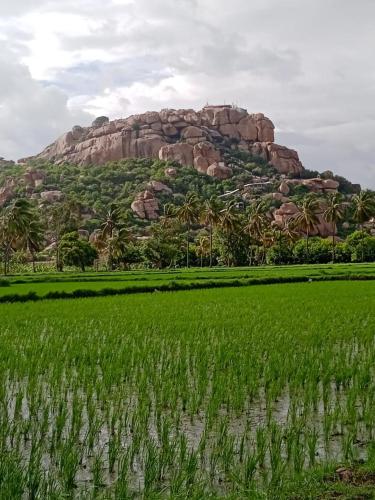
column 199, row 224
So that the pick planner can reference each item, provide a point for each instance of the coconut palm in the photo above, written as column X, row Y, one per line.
column 117, row 245
column 307, row 217
column 34, row 238
column 333, row 213
column 188, row 214
column 229, row 224
column 203, row 248
column 289, row 231
column 364, row 209
column 229, row 219
column 210, row 217
column 113, row 222
column 256, row 222
column 14, row 225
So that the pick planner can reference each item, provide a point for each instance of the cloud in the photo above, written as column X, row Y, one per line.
column 307, row 65
column 31, row 114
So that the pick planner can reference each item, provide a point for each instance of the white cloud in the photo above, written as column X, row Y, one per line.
column 307, row 65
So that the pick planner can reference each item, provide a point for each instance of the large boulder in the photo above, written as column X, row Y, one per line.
column 180, row 152
column 146, row 206
column 283, row 159
column 219, row 170
column 205, row 154
column 171, row 135
column 51, row 196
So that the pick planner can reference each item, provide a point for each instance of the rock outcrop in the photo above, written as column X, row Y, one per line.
column 290, row 210
column 7, row 191
column 191, row 138
column 146, row 206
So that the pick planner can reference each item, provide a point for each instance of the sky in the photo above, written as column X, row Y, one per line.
column 309, row 65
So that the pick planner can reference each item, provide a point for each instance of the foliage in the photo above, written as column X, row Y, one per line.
column 76, row 252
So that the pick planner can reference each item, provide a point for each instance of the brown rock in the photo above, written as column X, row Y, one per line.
column 191, row 132
column 247, row 129
column 219, row 170
column 205, row 154
column 154, row 135
column 180, row 152
column 284, row 188
column 283, row 159
column 146, row 206
column 159, row 187
column 170, row 130
column 265, row 128
column 230, row 130
column 170, row 172
column 51, row 196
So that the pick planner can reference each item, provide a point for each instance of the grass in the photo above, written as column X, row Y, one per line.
column 67, row 283
column 250, row 392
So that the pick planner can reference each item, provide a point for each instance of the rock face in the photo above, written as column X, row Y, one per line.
column 290, row 210
column 7, row 191
column 316, row 185
column 191, row 138
column 146, row 206
column 51, row 196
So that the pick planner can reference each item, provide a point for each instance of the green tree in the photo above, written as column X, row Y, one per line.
column 76, row 252
column 364, row 209
column 62, row 217
column 14, row 225
column 188, row 214
column 333, row 213
column 203, row 248
column 113, row 223
column 257, row 221
column 307, row 217
column 210, row 217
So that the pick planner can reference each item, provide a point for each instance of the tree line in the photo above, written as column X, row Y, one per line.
column 197, row 232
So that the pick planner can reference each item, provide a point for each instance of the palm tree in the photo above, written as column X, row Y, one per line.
column 289, row 231
column 117, row 245
column 188, row 214
column 364, row 209
column 210, row 217
column 6, row 238
column 62, row 218
column 34, row 238
column 113, row 221
column 14, row 225
column 229, row 221
column 307, row 218
column 333, row 213
column 203, row 248
column 257, row 221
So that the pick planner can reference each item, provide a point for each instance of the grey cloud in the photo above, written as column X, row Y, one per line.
column 31, row 115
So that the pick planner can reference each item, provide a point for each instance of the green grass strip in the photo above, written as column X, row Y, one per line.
column 173, row 286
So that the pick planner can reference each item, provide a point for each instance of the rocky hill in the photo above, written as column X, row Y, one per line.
column 192, row 138
column 146, row 161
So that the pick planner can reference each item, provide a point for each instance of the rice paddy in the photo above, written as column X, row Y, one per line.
column 195, row 394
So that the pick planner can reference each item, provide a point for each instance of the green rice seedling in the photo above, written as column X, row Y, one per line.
column 68, row 465
column 312, row 442
column 97, row 470
column 261, row 444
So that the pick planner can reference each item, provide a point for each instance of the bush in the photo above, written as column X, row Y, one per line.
column 279, row 254
column 319, row 251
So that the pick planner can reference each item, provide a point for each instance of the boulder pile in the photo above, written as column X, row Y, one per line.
column 191, row 138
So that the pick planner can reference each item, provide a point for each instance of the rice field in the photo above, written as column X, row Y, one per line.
column 229, row 393
column 43, row 284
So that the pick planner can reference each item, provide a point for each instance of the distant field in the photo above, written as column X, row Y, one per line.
column 42, row 284
column 255, row 392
